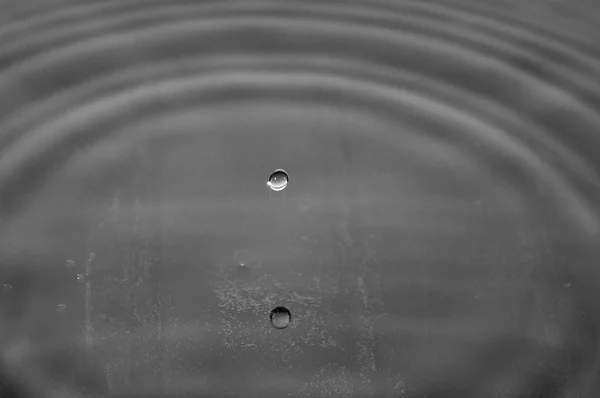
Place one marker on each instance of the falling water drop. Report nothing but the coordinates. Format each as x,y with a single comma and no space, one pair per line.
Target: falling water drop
61,307
80,278
280,317
278,180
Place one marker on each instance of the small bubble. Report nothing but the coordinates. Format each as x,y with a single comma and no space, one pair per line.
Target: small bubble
280,317
61,307
6,288
70,264
278,180
80,278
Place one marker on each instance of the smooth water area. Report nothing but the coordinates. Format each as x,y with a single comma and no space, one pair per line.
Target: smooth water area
438,237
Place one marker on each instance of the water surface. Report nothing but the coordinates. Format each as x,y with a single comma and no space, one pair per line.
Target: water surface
438,236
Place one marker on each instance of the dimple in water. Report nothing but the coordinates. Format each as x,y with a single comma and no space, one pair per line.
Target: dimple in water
61,307
278,180
280,317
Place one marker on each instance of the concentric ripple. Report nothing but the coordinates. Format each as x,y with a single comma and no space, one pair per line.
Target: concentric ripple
450,145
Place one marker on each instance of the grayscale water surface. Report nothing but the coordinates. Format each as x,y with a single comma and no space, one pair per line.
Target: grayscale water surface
439,236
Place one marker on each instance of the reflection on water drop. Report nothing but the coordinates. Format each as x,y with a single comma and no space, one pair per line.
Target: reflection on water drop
280,317
69,264
242,265
278,180
6,288
61,307
80,278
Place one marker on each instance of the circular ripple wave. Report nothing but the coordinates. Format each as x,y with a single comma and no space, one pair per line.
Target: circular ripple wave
507,96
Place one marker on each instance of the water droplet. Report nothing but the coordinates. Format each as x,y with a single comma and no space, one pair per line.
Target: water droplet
242,265
278,180
80,278
280,317
70,264
61,307
567,285
6,288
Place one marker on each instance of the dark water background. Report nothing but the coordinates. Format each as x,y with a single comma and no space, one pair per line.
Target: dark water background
438,237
